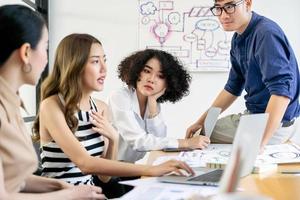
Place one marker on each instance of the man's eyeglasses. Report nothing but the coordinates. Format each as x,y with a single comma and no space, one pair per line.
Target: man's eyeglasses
228,8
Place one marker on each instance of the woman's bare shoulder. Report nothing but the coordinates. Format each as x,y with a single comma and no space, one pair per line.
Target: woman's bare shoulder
49,103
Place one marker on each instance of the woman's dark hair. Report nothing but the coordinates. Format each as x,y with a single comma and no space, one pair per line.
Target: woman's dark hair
18,25
177,78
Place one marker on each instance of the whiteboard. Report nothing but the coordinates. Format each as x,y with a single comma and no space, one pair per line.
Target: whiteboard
186,29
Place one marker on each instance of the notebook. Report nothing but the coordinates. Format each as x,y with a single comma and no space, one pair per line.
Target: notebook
249,133
210,121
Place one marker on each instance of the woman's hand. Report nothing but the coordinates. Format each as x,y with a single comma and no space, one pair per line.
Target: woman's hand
192,130
169,166
86,192
63,184
196,142
152,103
103,126
155,96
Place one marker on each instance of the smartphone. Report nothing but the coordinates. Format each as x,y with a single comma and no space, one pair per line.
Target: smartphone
176,149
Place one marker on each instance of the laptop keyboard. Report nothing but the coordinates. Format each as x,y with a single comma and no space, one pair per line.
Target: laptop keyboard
213,176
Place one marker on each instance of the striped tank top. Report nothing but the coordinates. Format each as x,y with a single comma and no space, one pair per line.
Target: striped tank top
56,164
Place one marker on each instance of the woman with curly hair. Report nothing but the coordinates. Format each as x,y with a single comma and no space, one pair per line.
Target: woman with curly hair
152,77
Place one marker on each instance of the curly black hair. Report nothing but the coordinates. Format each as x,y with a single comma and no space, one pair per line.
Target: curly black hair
177,78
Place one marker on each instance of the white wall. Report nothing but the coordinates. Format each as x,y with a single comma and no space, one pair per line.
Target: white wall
114,22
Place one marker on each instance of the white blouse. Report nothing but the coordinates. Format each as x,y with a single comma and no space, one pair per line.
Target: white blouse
137,134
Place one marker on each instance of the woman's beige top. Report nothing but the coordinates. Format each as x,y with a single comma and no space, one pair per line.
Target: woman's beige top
18,157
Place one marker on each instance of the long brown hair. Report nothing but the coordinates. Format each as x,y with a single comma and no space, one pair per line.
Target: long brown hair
70,58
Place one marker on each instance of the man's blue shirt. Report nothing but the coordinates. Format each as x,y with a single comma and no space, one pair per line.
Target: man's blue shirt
264,64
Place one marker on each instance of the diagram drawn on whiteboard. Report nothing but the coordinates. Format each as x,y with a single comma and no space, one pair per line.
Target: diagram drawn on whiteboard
186,29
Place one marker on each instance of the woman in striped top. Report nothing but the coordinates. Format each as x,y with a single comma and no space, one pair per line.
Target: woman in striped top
56,164
74,149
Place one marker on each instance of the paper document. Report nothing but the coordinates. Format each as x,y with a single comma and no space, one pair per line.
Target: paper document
281,153
200,158
151,189
157,193
220,153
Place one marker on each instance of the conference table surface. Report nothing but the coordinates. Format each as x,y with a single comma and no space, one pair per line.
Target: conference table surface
273,184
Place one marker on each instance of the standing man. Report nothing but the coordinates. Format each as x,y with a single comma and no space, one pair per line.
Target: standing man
264,64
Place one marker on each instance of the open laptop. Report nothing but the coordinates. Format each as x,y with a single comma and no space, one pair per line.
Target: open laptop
248,134
210,121
209,124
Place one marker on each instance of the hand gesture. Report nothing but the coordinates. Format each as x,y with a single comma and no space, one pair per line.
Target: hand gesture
192,129
157,95
86,192
170,166
152,102
103,126
198,142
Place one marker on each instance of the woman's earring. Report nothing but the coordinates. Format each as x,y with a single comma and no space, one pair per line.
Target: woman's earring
27,68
